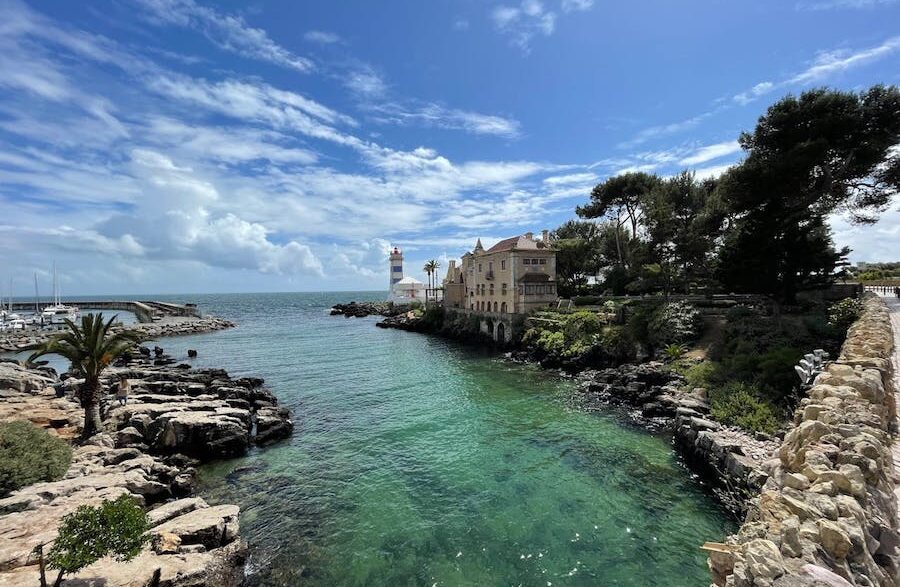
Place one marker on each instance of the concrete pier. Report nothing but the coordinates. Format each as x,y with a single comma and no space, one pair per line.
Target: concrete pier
145,311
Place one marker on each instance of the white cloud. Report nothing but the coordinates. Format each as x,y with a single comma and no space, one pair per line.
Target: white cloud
366,83
753,93
436,115
227,31
711,152
574,5
832,62
559,180
879,242
714,171
322,37
825,65
521,23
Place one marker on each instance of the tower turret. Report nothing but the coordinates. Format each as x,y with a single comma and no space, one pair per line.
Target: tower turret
396,266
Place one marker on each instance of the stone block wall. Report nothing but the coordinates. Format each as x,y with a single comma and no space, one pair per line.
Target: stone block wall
827,515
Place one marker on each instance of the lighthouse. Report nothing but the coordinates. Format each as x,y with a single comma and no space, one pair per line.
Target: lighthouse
396,266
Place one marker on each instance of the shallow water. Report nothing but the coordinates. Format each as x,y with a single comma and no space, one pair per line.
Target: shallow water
416,461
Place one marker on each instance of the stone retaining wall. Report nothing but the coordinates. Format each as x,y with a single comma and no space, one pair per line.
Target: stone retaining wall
827,516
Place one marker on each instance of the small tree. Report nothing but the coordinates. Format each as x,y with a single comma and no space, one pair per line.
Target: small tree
90,348
117,528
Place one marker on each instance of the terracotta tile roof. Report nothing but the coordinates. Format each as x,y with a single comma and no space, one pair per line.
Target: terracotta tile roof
505,244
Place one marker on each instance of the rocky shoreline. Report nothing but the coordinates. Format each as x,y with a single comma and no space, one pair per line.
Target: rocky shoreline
363,309
19,340
176,418
729,459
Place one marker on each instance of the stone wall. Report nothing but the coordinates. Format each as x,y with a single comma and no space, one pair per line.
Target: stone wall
827,515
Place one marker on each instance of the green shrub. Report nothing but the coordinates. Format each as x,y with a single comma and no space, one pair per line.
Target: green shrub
844,313
675,322
738,405
29,454
617,342
117,528
673,352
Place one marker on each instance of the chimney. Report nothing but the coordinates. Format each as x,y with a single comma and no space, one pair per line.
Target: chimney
529,236
545,236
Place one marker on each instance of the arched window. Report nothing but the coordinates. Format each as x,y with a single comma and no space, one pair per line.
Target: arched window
495,306
503,308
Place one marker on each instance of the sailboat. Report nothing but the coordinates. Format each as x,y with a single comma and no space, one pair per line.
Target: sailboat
11,320
58,313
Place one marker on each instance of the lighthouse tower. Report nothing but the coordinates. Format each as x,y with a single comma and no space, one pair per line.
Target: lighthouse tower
396,266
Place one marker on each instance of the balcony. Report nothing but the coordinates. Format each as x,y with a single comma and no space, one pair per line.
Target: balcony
489,275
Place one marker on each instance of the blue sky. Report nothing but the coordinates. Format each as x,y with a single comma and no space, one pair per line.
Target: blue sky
178,146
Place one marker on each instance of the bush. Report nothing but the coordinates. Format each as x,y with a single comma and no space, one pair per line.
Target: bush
674,323
738,405
844,313
29,454
88,534
673,352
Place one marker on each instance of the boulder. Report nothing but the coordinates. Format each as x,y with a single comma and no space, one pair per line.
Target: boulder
210,526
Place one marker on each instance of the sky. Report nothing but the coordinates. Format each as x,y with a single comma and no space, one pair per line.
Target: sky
180,146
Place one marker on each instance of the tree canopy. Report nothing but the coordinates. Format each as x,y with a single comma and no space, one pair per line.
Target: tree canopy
762,227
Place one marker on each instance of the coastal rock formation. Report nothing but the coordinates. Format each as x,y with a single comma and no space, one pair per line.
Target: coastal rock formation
363,309
174,414
205,543
729,458
827,515
28,394
18,340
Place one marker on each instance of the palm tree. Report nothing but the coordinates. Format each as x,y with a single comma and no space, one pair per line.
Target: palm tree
431,268
435,265
90,348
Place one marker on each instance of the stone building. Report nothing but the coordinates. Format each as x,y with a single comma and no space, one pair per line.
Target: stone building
515,276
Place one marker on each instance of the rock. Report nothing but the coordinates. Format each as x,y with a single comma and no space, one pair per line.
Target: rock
790,537
796,481
272,423
173,509
129,436
834,540
763,559
166,543
211,526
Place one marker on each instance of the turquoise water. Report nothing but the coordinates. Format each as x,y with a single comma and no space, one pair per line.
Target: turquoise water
416,461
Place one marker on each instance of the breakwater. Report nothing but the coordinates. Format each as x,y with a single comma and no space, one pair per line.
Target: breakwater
827,515
19,340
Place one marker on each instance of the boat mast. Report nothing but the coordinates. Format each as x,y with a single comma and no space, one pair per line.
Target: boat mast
37,297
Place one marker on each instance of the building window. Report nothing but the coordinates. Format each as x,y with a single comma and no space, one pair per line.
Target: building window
397,269
543,261
503,289
479,267
526,261
472,306
503,308
503,264
490,265
534,261
495,306
492,289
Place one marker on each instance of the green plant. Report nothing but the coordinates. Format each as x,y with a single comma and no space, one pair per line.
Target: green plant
737,404
90,348
844,313
674,351
117,528
29,454
675,322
